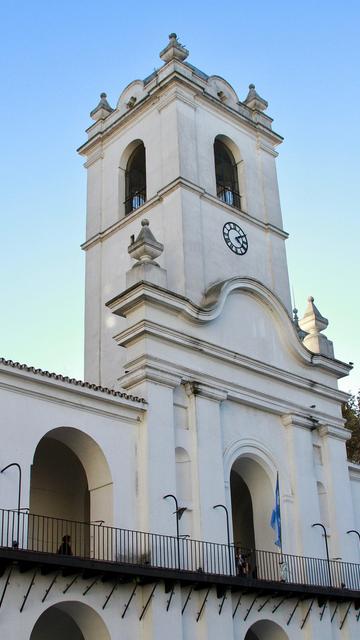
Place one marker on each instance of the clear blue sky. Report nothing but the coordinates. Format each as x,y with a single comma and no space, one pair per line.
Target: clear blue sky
57,57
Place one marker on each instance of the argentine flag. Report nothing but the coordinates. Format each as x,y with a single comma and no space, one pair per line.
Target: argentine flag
275,516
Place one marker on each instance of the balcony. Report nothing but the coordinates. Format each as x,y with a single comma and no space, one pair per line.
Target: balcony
134,201
228,195
53,544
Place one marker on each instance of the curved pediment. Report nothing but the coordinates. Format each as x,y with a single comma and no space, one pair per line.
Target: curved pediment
221,89
265,331
242,316
131,95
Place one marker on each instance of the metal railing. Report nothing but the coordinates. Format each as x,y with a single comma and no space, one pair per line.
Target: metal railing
56,536
228,195
135,200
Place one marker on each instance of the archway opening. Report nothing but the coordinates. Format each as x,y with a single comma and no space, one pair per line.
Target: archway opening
59,486
227,184
70,620
266,630
252,501
135,179
70,488
242,512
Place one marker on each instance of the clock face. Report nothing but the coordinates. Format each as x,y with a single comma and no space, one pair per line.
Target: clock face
235,238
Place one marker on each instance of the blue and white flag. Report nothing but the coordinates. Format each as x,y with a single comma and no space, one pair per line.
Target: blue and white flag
276,516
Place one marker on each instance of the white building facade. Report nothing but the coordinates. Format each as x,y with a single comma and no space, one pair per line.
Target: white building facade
205,393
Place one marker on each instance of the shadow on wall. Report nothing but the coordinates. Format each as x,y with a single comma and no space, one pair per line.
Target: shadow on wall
70,620
266,630
71,480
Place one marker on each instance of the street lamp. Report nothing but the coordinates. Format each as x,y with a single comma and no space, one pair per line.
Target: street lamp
179,511
216,506
16,464
319,524
354,531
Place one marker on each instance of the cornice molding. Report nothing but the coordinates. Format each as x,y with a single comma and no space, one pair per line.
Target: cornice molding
162,194
195,388
17,371
175,94
334,431
145,328
263,146
322,427
83,403
354,471
146,372
212,307
297,420
112,123
237,393
97,155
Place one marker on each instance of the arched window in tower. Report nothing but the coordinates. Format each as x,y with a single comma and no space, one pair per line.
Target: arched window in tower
227,185
135,180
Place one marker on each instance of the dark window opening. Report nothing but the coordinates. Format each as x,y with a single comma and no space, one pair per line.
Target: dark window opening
135,180
227,186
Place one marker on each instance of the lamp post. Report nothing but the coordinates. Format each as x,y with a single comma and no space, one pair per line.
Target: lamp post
16,464
216,506
354,531
319,524
179,513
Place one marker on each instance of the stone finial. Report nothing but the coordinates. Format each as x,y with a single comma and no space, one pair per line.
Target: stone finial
144,249
254,101
299,331
174,50
313,323
102,109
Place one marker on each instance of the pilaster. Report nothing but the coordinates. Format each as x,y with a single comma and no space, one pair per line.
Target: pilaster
301,468
205,419
339,492
156,472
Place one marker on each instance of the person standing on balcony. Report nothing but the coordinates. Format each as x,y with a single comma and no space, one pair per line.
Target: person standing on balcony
65,547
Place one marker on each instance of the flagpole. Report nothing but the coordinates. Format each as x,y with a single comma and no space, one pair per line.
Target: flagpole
277,479
276,515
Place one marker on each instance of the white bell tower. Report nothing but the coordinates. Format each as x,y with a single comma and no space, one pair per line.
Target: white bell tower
182,151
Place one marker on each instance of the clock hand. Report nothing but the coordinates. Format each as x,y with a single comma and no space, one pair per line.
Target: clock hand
238,239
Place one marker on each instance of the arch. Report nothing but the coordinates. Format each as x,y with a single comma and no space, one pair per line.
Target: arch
217,84
133,90
252,501
266,630
252,448
71,620
260,482
133,163
85,488
227,157
323,504
183,474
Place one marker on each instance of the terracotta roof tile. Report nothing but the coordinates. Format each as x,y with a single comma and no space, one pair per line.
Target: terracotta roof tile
73,381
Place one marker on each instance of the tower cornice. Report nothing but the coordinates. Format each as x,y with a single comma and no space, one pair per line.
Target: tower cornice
181,182
103,130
